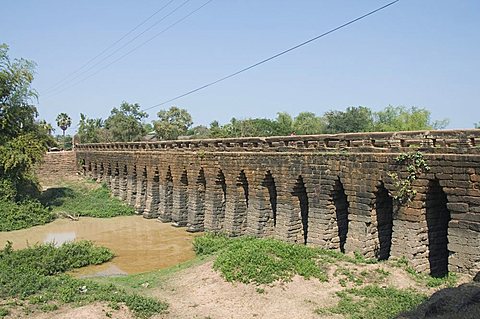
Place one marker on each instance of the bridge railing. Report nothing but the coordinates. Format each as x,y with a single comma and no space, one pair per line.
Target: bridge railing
447,141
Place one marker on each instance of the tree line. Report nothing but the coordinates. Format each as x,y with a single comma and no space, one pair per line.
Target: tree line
127,124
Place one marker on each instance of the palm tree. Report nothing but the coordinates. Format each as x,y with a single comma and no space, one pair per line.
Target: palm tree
63,121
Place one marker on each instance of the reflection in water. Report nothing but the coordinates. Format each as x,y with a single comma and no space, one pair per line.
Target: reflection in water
59,238
139,244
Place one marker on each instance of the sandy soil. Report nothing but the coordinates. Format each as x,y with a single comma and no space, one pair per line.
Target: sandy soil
200,292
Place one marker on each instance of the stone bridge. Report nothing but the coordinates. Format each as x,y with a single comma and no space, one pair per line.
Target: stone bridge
330,191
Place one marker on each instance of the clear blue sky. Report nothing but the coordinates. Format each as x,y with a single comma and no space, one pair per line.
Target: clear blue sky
422,53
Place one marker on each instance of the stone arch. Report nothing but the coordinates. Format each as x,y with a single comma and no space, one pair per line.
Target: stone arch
180,201
384,215
132,186
219,201
116,180
196,220
108,175
84,168
238,206
438,217
141,195
101,172
166,215
123,183
300,191
341,204
269,183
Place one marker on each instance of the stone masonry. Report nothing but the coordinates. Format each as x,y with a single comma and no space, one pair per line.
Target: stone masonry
331,191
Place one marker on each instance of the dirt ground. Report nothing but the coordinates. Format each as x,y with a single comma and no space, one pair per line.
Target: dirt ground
200,292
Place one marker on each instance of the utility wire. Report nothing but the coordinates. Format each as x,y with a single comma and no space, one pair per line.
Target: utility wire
123,46
272,57
109,47
135,48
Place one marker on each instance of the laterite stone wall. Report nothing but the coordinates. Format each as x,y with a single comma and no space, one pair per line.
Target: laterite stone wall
331,191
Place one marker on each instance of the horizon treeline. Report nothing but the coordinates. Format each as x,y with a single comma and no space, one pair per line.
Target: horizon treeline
127,124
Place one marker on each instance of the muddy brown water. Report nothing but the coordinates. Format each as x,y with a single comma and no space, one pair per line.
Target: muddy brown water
139,244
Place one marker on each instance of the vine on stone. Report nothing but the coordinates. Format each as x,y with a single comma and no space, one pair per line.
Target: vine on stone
416,165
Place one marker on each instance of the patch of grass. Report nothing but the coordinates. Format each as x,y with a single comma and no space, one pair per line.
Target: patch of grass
374,302
35,274
4,312
264,261
79,200
450,280
18,215
210,243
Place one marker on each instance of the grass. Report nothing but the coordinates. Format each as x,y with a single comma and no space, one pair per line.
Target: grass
450,280
34,277
84,200
374,302
263,261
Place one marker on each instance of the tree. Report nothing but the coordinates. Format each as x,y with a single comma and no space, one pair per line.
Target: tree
91,130
63,122
306,123
23,142
400,118
353,119
172,123
17,113
126,123
284,123
477,125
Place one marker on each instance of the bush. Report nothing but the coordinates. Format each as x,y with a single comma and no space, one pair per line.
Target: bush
24,214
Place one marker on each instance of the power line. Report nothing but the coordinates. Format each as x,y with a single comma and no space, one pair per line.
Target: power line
272,57
123,46
136,48
110,46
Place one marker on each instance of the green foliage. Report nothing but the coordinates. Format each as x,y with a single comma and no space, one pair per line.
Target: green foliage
172,123
210,243
36,274
82,201
260,261
91,130
477,125
17,113
306,123
23,214
126,123
400,118
353,119
374,302
265,261
448,281
416,165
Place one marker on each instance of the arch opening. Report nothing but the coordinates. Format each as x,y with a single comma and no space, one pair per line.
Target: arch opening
384,211
340,202
438,217
269,183
300,192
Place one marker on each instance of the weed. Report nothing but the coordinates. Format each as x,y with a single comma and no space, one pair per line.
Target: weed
260,290
374,302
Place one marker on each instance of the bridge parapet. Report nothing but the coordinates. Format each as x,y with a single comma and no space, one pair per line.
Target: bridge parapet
444,141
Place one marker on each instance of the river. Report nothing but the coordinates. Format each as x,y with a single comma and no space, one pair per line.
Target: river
139,244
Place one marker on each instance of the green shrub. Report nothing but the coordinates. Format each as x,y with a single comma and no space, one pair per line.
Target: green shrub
24,214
